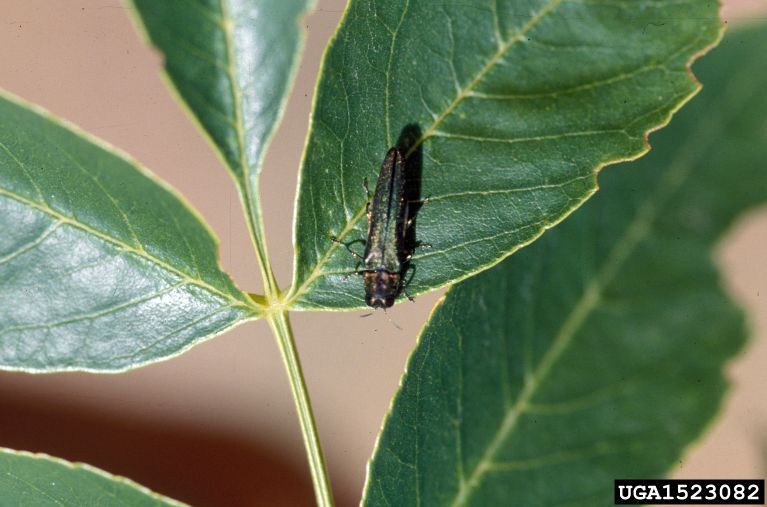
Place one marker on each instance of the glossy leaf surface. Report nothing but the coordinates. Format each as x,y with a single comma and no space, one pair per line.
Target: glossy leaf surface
232,62
507,110
102,267
39,480
596,353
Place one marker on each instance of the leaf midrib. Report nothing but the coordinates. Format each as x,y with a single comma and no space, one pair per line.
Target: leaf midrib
466,90
637,231
462,94
127,248
248,183
227,27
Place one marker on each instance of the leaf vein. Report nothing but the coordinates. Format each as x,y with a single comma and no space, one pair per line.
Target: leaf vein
32,244
548,137
93,315
126,247
387,105
489,65
316,271
638,229
175,331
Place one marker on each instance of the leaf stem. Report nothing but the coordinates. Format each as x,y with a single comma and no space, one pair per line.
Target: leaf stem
277,317
280,325
252,203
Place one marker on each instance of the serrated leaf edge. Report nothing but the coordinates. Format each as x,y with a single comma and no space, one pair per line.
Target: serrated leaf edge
293,300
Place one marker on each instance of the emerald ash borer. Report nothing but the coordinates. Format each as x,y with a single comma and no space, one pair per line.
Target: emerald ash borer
385,254
391,230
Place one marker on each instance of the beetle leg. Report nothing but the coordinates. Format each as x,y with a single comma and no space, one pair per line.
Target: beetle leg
346,245
349,275
405,283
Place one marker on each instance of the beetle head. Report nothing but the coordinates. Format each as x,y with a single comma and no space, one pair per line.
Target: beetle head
381,288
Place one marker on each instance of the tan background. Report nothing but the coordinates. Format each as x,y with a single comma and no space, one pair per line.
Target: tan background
216,426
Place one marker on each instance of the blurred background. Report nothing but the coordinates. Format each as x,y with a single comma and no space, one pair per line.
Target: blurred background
217,426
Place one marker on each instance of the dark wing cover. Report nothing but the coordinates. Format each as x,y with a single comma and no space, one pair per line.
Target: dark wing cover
386,216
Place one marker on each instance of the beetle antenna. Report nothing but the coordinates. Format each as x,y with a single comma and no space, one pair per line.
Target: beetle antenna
390,320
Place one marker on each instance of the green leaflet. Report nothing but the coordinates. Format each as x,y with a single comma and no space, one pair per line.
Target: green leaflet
102,267
515,106
39,480
232,62
597,352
